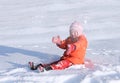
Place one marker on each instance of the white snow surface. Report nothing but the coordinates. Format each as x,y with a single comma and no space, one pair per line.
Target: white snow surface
26,29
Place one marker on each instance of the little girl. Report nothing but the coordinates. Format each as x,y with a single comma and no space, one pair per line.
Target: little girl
75,48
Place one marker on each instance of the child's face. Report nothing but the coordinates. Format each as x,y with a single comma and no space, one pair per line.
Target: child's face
74,34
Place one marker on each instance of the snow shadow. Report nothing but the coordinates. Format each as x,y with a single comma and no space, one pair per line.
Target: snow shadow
5,50
13,57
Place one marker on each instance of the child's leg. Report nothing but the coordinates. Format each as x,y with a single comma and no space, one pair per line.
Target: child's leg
57,65
42,67
61,64
45,66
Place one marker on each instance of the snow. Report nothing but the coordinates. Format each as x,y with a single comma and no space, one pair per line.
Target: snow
26,29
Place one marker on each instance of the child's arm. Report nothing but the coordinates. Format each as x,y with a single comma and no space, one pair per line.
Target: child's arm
60,43
70,48
81,44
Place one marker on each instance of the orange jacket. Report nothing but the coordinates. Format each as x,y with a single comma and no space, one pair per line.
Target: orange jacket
77,56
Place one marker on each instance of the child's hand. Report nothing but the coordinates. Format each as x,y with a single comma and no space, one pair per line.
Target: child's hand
70,48
56,40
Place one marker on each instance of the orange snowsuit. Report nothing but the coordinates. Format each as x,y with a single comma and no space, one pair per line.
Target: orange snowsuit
77,56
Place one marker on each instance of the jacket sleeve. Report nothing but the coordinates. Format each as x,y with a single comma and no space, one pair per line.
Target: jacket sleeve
63,44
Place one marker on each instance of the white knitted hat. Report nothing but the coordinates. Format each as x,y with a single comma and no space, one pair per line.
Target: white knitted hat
76,26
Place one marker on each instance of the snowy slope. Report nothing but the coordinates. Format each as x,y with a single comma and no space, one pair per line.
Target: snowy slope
26,29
